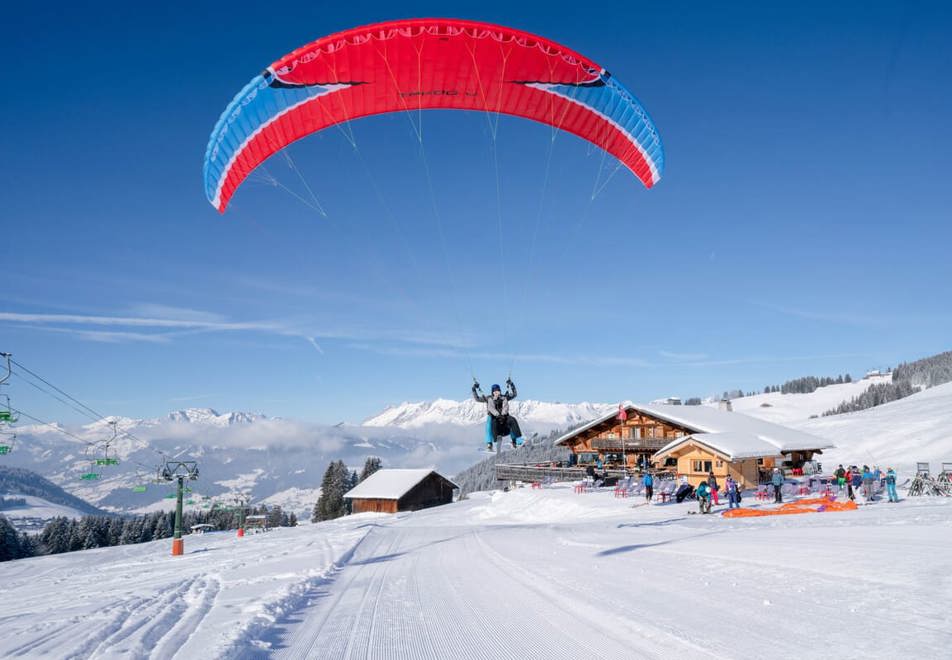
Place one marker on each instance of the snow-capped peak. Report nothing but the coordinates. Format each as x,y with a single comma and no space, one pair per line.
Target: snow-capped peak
212,417
464,413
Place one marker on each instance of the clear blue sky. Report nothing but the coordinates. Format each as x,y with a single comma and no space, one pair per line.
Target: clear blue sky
802,225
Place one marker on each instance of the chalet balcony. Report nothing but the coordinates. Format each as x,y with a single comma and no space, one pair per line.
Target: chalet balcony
633,444
545,472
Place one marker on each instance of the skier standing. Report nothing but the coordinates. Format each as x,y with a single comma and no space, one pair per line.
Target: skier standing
648,482
777,481
867,483
840,477
891,485
733,490
498,420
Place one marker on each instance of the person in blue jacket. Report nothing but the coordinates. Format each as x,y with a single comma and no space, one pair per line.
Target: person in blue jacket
777,480
891,485
648,482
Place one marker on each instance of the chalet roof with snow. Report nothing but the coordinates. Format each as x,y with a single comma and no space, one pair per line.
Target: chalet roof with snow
733,446
390,484
732,433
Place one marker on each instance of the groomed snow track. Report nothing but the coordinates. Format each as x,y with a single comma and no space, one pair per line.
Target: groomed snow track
525,574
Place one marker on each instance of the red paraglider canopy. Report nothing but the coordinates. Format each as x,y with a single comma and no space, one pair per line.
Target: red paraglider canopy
422,64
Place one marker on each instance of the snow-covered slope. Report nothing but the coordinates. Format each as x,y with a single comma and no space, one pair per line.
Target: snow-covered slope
36,512
901,433
788,408
524,574
540,415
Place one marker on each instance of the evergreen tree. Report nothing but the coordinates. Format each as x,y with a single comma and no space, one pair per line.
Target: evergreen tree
331,504
28,545
9,540
76,539
114,530
371,465
130,531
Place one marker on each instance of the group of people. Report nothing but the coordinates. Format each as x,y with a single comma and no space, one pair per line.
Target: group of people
866,480
708,493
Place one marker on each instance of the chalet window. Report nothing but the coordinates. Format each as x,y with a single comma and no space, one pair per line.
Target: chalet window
701,466
720,464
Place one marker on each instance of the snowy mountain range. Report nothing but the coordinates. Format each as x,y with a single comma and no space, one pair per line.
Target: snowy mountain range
539,415
277,460
282,461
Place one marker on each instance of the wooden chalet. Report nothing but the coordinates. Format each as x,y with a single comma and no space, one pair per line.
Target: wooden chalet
689,441
390,491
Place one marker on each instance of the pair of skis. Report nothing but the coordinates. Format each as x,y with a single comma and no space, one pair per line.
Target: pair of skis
489,449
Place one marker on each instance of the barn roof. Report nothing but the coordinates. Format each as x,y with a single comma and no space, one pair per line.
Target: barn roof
739,429
390,484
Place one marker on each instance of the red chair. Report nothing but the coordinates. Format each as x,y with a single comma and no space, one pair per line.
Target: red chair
762,493
803,490
537,484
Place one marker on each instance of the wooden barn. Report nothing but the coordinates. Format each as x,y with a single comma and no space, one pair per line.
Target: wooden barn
390,491
691,441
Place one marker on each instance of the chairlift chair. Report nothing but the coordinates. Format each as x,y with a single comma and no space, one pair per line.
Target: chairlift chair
8,441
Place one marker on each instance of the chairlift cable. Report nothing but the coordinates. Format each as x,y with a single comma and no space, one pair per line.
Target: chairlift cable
88,411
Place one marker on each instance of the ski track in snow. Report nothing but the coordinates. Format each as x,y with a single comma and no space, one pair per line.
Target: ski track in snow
526,574
139,602
687,586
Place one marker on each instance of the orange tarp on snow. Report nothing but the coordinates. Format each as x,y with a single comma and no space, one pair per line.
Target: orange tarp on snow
813,505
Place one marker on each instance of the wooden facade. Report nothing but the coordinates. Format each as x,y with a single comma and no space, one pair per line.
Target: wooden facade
635,443
625,444
374,505
696,461
433,490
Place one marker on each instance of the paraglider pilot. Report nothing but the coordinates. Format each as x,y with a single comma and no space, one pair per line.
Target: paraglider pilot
498,420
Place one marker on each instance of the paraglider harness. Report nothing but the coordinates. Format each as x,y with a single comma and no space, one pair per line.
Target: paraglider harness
498,421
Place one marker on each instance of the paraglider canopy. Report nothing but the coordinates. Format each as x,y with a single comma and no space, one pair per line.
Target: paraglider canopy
411,65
